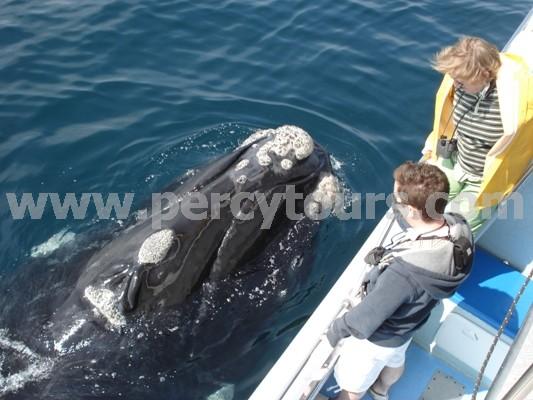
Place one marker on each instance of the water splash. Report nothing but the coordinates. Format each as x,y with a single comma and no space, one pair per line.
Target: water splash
226,392
59,345
55,242
34,367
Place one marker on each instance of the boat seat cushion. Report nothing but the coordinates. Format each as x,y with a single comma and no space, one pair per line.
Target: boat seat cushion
490,289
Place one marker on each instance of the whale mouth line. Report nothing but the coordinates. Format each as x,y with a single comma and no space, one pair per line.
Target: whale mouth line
27,367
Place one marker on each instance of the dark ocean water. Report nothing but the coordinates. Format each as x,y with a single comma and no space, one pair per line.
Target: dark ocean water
123,96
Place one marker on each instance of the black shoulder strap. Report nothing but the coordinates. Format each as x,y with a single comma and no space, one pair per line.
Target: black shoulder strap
463,251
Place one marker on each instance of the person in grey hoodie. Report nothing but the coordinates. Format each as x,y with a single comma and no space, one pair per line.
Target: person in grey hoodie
412,272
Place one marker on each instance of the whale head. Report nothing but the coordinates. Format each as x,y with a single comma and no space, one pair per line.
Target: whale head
244,196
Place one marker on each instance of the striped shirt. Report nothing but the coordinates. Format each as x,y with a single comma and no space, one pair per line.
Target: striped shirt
479,126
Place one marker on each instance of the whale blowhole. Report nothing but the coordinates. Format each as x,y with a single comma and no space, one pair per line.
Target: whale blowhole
286,164
241,179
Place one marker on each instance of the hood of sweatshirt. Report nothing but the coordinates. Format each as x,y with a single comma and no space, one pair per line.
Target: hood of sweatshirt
430,263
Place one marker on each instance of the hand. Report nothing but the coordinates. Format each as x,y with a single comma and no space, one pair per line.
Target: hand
333,338
426,155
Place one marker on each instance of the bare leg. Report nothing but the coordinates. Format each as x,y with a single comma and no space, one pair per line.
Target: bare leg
387,378
344,395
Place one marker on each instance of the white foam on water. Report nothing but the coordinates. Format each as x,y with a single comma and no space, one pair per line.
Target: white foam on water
37,368
81,345
335,164
226,392
296,262
59,345
55,242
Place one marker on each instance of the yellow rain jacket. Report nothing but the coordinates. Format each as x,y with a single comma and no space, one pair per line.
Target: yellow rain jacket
511,155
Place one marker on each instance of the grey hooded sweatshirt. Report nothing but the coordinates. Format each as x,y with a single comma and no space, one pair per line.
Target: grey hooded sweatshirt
411,279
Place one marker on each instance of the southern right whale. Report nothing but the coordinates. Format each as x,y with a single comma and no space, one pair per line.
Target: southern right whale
163,286
146,267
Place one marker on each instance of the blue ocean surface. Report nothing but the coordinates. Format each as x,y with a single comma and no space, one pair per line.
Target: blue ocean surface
125,96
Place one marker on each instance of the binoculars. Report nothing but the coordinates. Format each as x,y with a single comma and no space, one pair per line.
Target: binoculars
446,147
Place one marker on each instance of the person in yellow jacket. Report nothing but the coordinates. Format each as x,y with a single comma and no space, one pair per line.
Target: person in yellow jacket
482,136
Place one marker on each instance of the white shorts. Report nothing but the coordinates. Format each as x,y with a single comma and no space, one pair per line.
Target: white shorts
361,362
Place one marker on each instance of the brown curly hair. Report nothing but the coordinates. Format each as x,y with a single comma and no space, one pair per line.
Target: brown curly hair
424,187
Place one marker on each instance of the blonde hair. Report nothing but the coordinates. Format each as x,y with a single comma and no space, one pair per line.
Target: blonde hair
468,59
